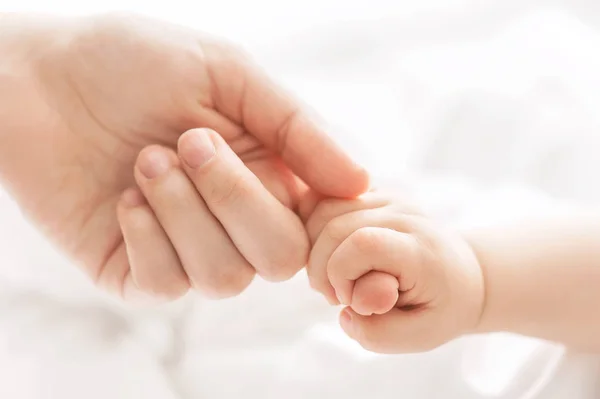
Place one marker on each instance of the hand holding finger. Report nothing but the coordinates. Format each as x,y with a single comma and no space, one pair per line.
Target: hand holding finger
211,261
269,235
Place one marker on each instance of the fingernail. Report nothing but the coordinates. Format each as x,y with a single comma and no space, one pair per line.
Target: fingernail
132,197
346,320
196,148
154,163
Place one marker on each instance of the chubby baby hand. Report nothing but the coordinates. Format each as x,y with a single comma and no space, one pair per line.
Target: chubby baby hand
409,284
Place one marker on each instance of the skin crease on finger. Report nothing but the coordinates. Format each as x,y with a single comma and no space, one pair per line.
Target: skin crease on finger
210,259
99,89
268,234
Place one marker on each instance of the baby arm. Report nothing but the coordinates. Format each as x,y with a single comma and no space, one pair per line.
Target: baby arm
410,284
543,279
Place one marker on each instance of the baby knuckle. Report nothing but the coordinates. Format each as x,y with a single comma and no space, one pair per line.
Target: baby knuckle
326,209
314,228
335,230
365,240
319,218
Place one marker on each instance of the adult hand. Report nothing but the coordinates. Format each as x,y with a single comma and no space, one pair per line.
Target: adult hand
94,106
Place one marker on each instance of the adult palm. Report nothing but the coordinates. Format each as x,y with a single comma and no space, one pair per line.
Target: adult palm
88,94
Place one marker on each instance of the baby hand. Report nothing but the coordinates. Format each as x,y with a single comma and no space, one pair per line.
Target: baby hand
409,284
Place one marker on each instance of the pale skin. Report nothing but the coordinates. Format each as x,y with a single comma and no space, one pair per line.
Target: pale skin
160,160
98,146
410,284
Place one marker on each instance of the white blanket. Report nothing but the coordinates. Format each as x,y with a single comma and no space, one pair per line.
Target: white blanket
500,95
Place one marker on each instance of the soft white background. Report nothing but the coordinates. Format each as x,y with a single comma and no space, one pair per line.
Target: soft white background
487,109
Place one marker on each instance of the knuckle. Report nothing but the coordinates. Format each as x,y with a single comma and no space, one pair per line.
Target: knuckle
231,191
321,215
283,266
279,274
290,258
169,290
326,208
220,285
365,240
408,208
282,259
335,230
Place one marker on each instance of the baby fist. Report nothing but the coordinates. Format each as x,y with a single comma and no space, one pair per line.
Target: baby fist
410,284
